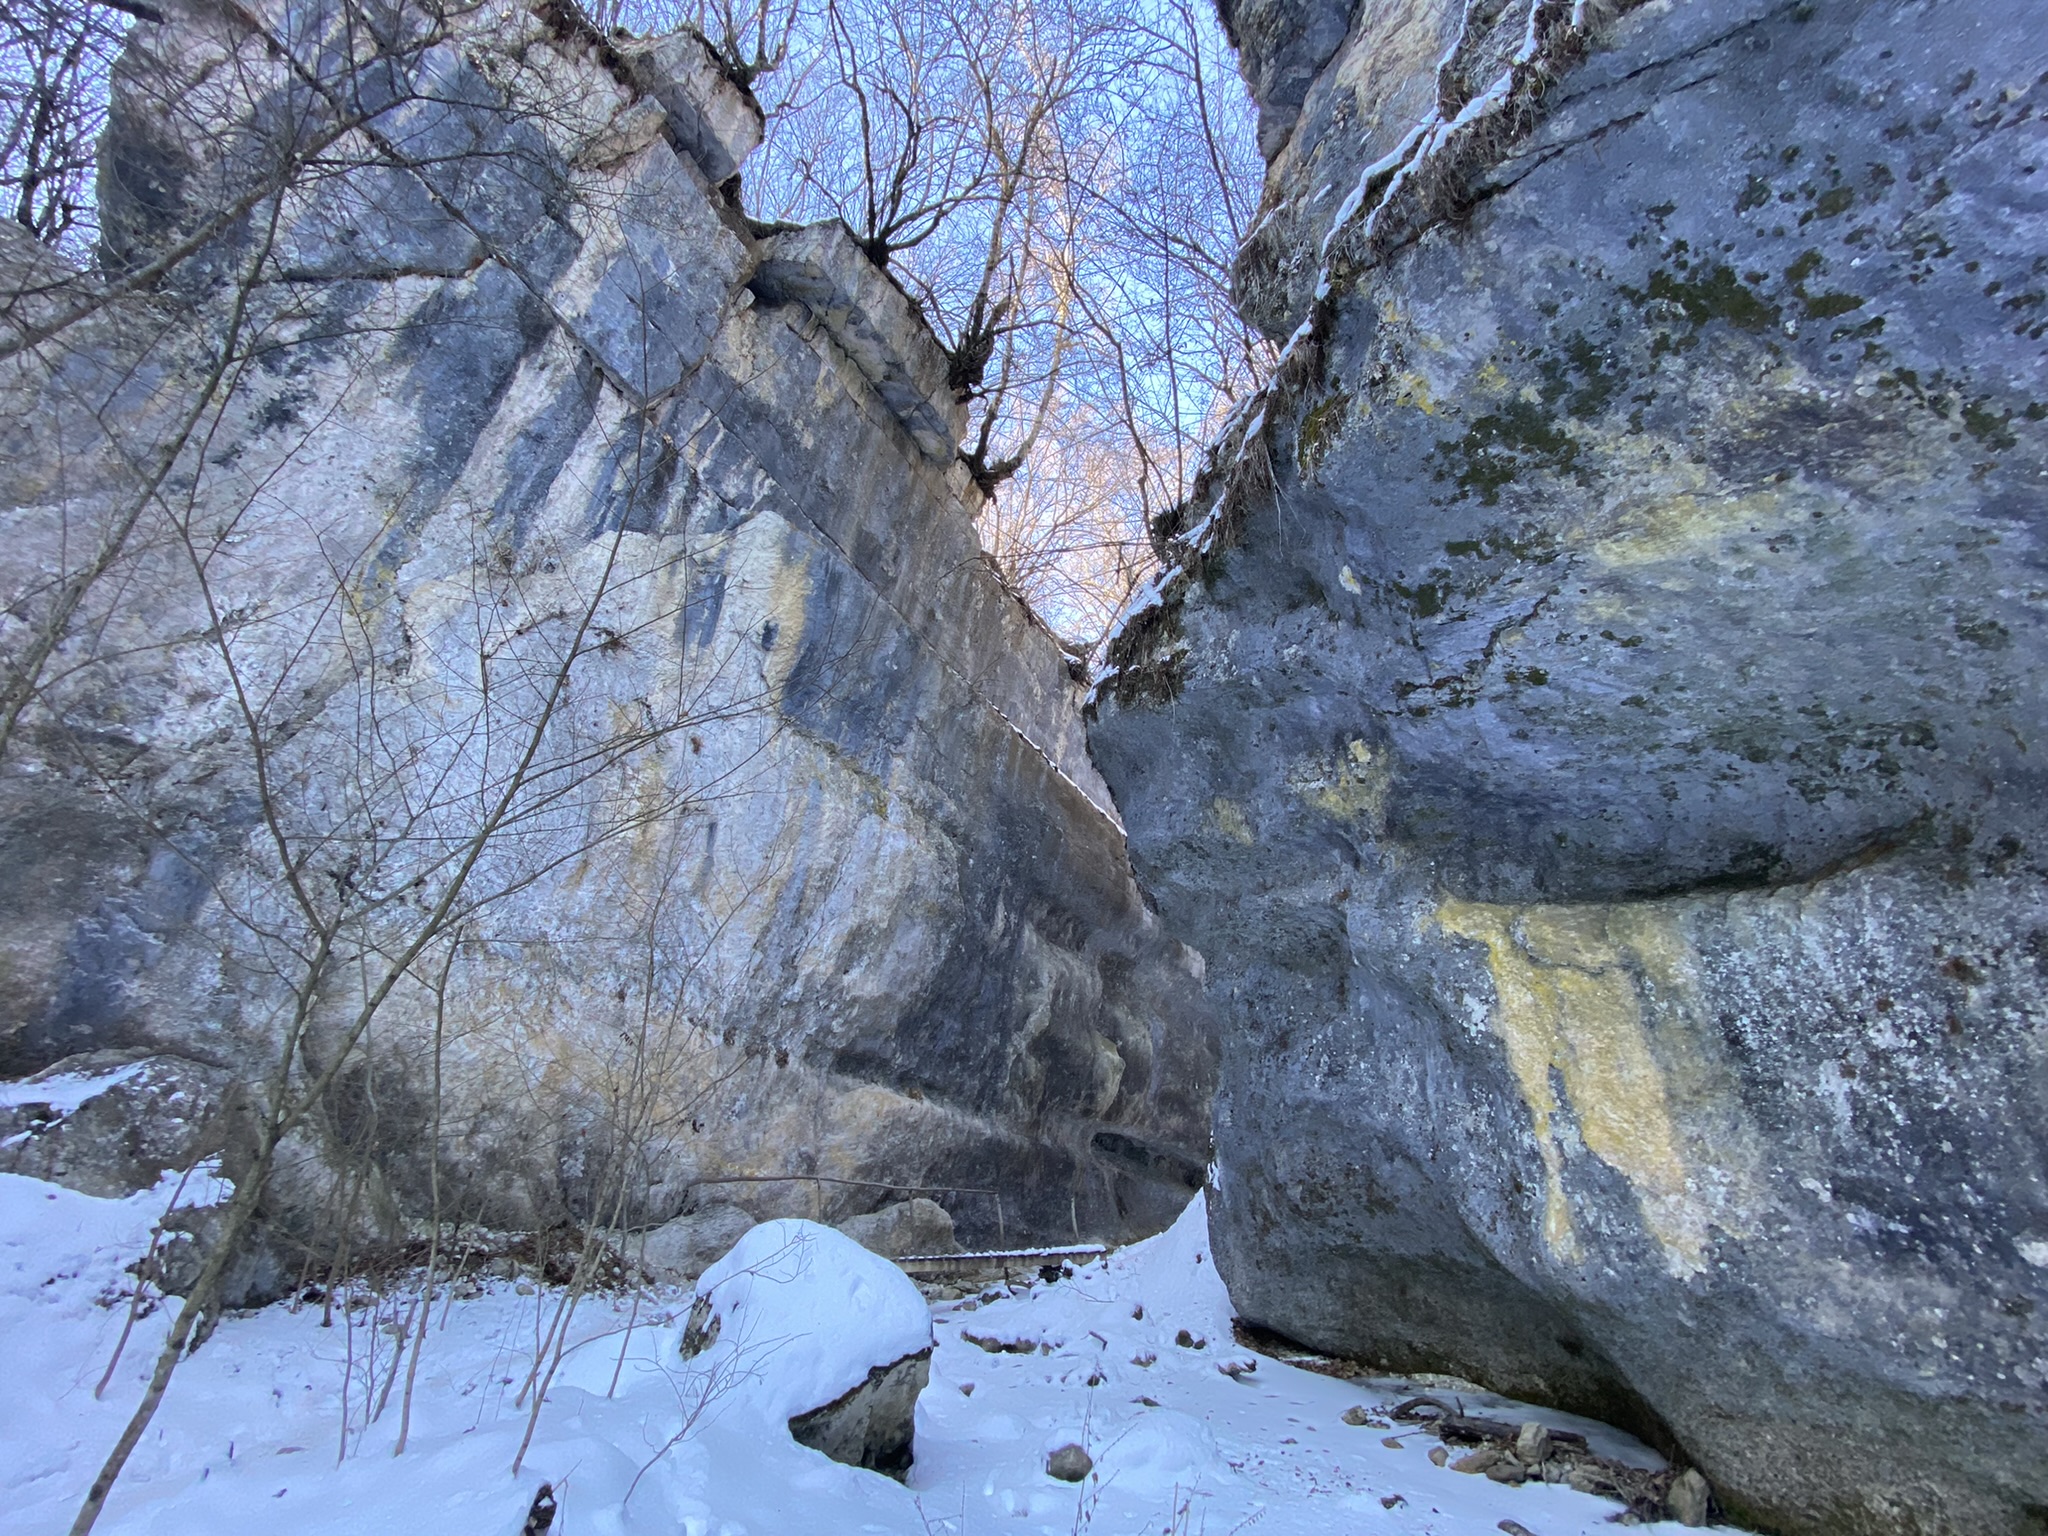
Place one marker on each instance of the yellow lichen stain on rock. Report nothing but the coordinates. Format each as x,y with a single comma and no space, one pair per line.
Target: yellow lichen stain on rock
768,584
1676,527
1569,1008
1348,580
1490,379
1353,788
1407,41
1230,821
1412,388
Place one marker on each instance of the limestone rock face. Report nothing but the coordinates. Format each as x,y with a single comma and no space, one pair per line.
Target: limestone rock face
1591,729
850,899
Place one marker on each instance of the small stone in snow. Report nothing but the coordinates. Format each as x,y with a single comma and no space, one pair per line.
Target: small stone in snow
1391,1442
1393,1501
1187,1340
1532,1445
1069,1464
1438,1455
1356,1414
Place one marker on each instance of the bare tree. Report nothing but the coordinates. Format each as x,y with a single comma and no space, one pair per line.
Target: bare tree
55,57
1062,185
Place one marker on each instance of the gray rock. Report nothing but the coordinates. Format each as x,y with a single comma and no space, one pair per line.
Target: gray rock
874,321
1481,1461
1687,1501
909,1226
155,1113
263,1267
872,1426
1322,127
1532,1445
899,884
701,1328
648,305
1070,1464
1284,45
710,119
679,1251
1594,749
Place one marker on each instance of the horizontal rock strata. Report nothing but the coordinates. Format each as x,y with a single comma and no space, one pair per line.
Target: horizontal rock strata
824,859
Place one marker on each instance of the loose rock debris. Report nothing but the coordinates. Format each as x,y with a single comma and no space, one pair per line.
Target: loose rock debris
1008,1346
1530,1452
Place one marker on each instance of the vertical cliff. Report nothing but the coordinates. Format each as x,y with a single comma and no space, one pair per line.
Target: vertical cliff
1591,726
524,440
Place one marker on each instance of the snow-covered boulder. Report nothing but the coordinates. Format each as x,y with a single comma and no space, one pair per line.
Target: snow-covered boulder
109,1123
801,1325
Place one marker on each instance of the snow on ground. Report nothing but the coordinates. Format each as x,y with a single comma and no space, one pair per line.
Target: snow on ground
248,1439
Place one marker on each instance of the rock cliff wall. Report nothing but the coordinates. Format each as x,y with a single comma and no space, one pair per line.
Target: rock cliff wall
1591,724
515,389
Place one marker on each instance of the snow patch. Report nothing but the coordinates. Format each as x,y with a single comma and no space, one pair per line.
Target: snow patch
66,1092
